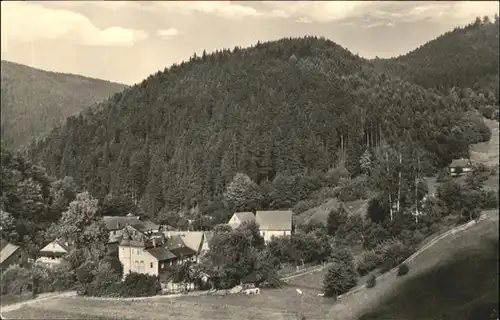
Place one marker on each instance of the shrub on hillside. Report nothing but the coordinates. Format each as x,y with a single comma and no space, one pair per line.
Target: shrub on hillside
372,281
57,278
393,253
140,285
368,261
489,199
340,278
351,232
334,176
403,269
15,280
342,254
305,205
106,282
353,189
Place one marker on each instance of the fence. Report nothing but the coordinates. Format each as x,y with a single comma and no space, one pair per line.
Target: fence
290,270
417,253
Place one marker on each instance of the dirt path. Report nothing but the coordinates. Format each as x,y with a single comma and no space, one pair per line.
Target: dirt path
38,299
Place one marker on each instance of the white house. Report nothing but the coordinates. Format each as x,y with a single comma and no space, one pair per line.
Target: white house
274,223
271,223
53,252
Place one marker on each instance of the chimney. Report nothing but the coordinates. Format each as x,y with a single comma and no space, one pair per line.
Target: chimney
154,242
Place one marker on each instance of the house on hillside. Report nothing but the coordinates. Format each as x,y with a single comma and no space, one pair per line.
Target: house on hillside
52,253
11,254
239,217
151,253
460,167
139,254
274,223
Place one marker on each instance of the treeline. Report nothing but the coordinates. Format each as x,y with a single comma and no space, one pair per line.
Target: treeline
177,139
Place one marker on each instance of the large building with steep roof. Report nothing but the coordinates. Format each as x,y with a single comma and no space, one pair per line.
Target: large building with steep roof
271,223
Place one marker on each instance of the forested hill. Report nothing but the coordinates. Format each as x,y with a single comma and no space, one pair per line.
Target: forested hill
33,101
274,111
465,57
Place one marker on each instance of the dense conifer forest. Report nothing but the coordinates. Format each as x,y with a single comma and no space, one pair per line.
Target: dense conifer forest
284,113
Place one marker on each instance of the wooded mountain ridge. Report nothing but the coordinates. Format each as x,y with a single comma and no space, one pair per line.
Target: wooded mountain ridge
33,101
277,111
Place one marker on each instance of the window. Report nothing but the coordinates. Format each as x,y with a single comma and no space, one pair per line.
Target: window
284,232
263,233
151,265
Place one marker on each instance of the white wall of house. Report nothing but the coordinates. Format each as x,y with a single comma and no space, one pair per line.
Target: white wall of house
268,234
234,220
135,259
49,261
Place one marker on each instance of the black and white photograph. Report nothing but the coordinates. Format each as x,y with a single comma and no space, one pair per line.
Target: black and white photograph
249,160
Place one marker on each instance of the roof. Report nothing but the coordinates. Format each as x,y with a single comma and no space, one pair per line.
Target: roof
274,220
460,163
118,222
7,250
60,242
161,253
243,217
178,247
193,240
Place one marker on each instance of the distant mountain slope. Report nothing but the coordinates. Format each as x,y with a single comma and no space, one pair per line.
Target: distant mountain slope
33,101
464,57
273,111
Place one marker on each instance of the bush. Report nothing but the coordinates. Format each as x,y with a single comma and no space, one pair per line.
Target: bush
106,282
305,205
340,278
351,190
489,199
343,255
368,261
372,281
403,269
393,253
15,280
140,285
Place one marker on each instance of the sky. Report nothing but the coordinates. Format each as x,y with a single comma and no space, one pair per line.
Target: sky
127,41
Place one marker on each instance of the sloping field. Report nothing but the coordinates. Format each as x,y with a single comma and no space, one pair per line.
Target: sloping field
487,152
320,213
449,264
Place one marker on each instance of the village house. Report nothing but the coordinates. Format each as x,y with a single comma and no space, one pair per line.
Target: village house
460,167
271,223
53,252
150,252
116,224
274,223
11,254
